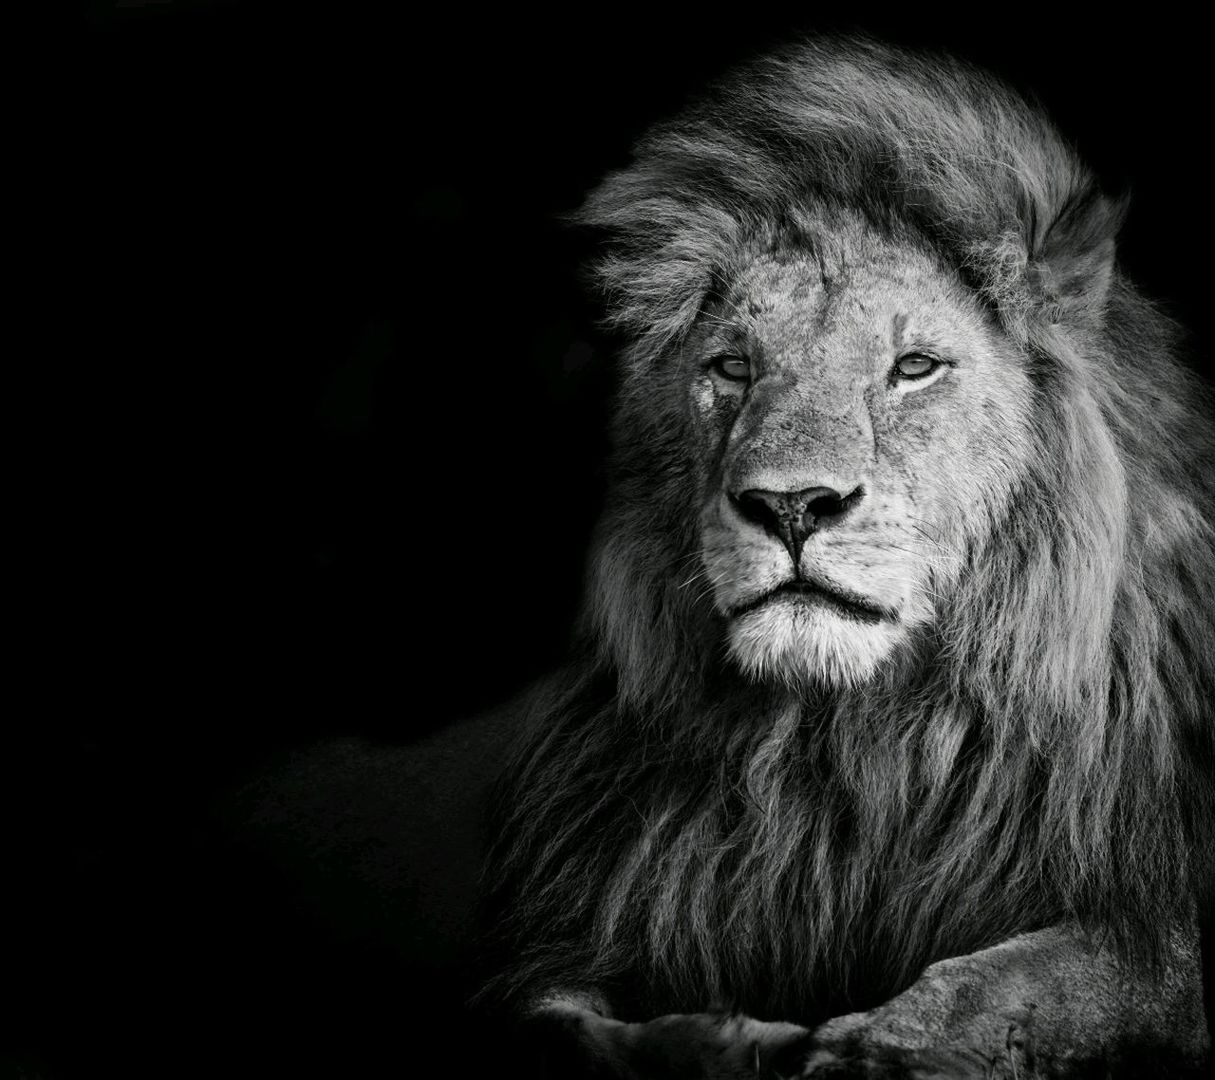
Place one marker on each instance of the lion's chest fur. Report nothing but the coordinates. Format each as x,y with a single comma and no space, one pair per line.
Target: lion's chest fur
749,867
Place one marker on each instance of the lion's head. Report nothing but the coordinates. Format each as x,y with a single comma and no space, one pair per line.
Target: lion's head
867,300
901,617
858,419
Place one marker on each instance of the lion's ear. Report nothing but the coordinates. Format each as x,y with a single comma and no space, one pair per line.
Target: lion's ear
1073,264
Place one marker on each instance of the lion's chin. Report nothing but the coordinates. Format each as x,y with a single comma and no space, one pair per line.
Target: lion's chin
809,644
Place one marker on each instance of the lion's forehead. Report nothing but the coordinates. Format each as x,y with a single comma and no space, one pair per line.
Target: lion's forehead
852,304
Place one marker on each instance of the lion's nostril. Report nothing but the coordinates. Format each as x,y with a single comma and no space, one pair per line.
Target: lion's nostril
825,505
764,508
829,503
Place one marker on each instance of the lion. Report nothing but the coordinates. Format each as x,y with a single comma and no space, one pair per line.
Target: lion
886,747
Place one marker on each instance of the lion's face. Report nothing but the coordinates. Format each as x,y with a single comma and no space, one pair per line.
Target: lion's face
860,419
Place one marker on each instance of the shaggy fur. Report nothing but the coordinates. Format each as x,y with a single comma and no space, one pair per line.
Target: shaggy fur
680,835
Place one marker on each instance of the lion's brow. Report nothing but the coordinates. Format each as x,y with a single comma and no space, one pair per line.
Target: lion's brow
899,327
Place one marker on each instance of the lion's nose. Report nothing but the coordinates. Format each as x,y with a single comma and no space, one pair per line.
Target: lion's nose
791,516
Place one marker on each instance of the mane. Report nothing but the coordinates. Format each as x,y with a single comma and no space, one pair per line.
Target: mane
1044,752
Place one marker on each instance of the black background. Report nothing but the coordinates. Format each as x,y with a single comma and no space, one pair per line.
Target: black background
328,434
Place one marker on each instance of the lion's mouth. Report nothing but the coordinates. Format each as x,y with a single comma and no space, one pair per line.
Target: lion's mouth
841,601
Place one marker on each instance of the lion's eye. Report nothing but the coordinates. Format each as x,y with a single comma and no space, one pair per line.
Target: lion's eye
733,367
914,366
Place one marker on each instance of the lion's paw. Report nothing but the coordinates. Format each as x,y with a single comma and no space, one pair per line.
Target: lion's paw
710,1046
696,1046
909,1065
859,1054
